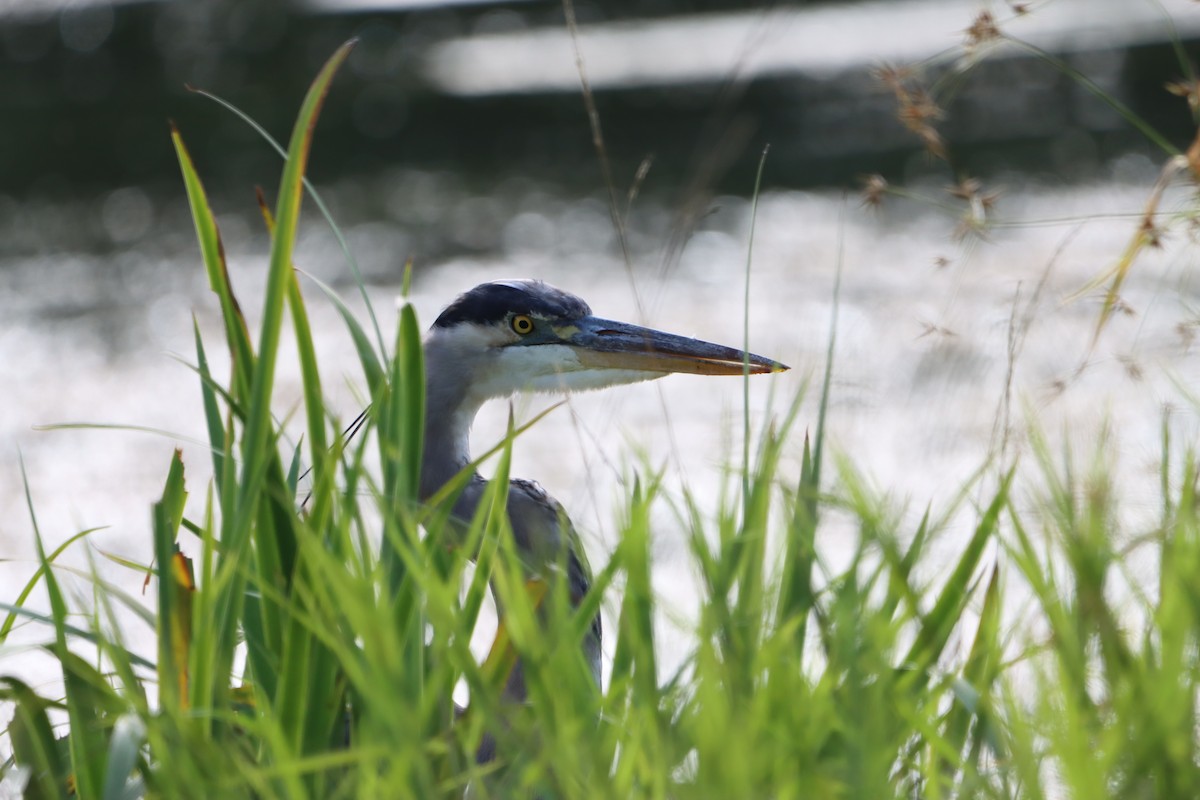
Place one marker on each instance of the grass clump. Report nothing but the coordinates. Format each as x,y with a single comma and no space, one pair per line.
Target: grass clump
804,679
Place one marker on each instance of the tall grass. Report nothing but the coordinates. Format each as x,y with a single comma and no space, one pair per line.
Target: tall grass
803,679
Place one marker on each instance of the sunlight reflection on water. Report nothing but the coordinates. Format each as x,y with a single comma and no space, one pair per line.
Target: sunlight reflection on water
919,379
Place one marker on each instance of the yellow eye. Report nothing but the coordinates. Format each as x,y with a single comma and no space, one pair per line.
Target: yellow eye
522,324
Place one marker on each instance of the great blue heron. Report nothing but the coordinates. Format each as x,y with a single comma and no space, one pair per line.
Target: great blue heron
513,336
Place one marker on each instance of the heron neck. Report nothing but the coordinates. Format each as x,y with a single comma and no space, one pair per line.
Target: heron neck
449,413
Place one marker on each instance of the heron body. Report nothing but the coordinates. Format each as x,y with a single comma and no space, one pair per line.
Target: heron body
516,336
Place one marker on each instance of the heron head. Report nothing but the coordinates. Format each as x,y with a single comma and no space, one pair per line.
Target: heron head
523,335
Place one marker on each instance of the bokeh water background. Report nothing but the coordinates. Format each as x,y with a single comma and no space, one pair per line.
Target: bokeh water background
950,348
922,395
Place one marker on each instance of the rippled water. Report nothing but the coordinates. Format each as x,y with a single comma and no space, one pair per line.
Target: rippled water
90,333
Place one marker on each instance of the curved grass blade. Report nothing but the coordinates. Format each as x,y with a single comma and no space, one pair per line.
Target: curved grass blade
320,203
287,214
1126,113
310,374
264,505
401,435
33,742
76,632
218,436
32,583
937,625
101,426
213,253
174,601
129,733
980,674
86,742
372,367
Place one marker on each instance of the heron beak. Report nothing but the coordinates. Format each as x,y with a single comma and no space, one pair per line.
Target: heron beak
605,344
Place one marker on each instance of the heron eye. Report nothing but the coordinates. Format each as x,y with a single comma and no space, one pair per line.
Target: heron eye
522,324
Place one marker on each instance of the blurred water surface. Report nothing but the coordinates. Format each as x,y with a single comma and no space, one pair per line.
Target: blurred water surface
948,347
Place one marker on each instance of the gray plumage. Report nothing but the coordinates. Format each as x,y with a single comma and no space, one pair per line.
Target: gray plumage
511,336
455,364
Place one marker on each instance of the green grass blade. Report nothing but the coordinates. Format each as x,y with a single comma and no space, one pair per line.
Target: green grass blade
86,742
33,742
174,614
1125,112
213,253
72,630
401,434
411,357
310,375
372,367
938,624
320,203
32,583
279,276
218,437
762,163
129,734
264,506
979,674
